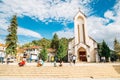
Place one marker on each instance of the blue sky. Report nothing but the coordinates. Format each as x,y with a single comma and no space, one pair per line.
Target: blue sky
42,18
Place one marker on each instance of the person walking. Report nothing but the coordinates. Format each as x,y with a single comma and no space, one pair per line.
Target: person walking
61,63
55,60
74,59
71,59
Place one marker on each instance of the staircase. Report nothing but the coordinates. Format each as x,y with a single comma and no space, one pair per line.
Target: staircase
83,71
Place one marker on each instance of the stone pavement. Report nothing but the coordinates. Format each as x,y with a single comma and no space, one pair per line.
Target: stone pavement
58,79
67,64
79,71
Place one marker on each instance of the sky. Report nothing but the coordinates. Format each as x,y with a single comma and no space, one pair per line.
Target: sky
39,19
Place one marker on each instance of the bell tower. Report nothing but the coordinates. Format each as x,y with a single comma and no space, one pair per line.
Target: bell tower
80,28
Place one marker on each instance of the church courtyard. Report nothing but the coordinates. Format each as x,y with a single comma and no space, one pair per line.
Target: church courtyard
49,72
60,40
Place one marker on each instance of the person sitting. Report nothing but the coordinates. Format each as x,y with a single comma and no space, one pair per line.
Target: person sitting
61,63
40,63
22,63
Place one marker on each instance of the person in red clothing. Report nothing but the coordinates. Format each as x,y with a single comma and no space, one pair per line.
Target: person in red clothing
22,63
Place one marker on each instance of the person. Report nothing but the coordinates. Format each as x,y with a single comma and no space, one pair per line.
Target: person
71,60
52,59
74,59
55,64
2,58
61,63
55,60
8,60
40,63
22,63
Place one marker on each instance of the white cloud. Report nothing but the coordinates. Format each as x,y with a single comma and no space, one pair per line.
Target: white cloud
98,28
42,9
101,28
21,8
39,10
67,10
66,33
109,14
21,31
29,33
117,6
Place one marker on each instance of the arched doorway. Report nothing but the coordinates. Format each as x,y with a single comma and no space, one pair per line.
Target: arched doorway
82,54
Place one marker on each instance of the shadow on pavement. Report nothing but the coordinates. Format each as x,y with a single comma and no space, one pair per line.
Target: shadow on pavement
117,68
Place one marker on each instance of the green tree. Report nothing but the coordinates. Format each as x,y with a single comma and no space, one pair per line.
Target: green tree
11,38
117,48
44,42
113,56
62,49
43,54
55,42
105,51
26,45
35,42
99,46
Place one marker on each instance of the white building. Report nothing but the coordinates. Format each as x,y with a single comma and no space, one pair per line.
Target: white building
51,54
2,50
83,46
33,52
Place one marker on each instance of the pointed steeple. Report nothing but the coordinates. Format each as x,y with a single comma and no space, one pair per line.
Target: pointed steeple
79,13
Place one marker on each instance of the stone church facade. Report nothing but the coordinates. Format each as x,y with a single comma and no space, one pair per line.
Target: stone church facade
82,46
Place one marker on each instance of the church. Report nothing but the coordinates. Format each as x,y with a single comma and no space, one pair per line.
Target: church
82,45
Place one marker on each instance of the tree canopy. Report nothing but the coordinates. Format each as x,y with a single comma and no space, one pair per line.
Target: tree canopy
105,52
43,54
62,48
42,42
55,42
117,48
11,38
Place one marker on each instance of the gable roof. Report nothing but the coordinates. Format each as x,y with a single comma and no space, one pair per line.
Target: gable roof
92,39
81,13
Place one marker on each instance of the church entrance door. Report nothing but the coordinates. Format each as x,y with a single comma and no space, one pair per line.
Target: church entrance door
82,54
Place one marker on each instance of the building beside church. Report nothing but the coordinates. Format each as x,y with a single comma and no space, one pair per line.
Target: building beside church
2,52
82,46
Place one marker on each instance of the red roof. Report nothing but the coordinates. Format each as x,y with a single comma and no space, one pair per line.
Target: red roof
51,50
33,47
2,45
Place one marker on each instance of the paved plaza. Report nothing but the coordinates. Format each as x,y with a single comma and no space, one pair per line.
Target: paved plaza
79,71
58,79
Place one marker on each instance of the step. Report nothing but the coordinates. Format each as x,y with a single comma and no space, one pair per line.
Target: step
65,71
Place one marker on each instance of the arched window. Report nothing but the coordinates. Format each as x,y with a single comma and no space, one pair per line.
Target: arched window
83,27
78,34
80,19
